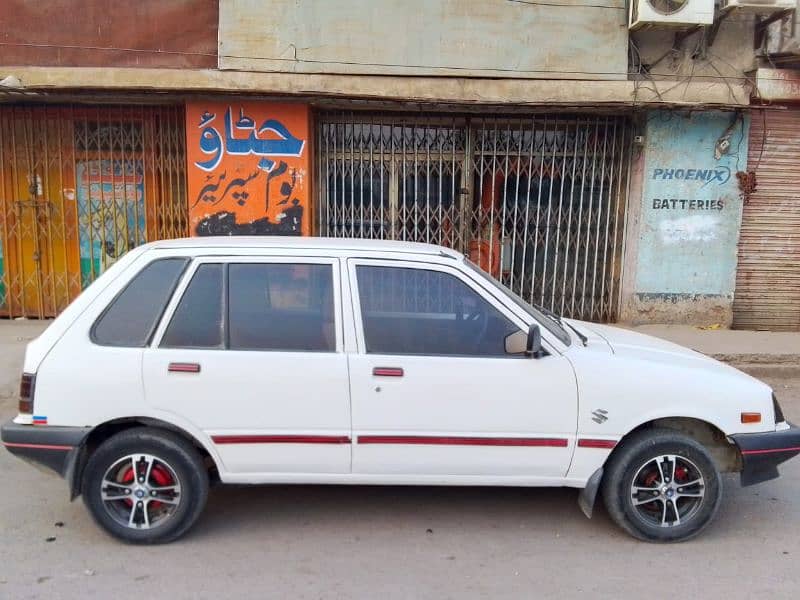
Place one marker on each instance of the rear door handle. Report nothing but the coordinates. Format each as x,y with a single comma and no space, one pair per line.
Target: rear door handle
181,367
387,372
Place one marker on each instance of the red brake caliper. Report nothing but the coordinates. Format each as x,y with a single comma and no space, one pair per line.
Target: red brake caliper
161,477
681,473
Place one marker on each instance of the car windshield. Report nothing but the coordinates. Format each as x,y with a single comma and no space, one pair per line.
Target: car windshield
548,319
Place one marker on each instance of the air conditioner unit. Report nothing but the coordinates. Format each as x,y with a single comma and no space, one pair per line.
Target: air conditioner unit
757,7
670,13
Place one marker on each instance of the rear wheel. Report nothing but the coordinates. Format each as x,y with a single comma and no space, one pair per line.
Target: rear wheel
662,486
145,486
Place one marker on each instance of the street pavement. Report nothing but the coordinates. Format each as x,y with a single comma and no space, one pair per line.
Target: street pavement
390,542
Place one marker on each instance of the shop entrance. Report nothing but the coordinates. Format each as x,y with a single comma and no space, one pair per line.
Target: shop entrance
79,187
537,201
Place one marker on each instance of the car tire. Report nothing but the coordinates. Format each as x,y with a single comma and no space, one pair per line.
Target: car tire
662,486
145,485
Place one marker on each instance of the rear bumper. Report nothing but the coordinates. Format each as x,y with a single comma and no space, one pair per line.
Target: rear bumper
763,452
56,448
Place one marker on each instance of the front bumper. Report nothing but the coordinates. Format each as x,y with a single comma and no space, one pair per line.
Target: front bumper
56,448
763,452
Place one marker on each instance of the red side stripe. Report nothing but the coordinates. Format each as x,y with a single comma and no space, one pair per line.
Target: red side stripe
595,443
280,439
37,446
772,450
461,441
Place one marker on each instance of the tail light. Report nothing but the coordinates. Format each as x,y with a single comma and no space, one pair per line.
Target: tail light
26,388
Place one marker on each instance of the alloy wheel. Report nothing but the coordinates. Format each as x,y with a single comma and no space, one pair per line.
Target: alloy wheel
140,491
667,490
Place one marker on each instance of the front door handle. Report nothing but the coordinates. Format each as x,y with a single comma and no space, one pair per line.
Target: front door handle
387,372
181,367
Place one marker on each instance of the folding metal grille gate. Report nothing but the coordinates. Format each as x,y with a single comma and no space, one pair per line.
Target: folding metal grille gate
79,186
539,201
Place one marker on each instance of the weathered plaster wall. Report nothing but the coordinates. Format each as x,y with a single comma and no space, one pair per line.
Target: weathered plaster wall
731,54
684,228
444,90
573,39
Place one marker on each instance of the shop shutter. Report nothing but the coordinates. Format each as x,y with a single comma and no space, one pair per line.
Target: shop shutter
768,276
537,201
80,185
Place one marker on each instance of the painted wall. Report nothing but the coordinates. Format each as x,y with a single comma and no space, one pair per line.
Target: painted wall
574,39
175,34
687,226
248,165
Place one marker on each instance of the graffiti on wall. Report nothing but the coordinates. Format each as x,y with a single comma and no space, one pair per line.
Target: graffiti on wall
247,169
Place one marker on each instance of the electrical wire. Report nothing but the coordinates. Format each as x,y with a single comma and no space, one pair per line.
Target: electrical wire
763,139
108,49
367,64
730,89
567,5
741,139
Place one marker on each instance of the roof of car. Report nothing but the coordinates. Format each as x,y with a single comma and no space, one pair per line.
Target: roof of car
309,243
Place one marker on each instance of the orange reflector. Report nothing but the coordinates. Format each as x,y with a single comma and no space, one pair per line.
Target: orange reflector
751,417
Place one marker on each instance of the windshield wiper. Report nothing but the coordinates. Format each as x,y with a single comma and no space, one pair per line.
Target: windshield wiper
549,313
584,340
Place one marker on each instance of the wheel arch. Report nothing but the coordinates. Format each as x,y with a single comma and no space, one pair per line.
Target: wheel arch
725,454
107,429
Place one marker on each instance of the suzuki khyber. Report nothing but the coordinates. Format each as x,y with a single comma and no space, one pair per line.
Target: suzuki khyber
300,360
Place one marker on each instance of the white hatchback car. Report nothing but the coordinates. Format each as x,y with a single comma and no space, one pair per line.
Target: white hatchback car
302,360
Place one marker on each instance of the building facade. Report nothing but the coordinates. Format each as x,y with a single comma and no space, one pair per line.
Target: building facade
604,173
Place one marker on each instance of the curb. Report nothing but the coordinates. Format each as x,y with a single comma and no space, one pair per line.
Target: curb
763,365
756,359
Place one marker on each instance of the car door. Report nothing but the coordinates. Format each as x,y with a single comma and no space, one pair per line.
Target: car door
250,352
434,392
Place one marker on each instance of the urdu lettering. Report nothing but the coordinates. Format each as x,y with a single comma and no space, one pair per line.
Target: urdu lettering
243,138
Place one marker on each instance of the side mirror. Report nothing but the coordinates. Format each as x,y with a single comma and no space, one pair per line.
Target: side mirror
528,343
516,343
533,347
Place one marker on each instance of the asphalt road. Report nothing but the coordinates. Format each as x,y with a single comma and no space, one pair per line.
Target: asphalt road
391,542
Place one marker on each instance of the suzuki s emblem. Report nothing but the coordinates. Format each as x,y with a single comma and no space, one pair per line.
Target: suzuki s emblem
600,416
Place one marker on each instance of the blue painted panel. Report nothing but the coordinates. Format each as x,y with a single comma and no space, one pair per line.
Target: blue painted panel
691,207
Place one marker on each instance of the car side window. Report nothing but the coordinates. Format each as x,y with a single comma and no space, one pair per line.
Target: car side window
130,319
281,306
197,320
419,311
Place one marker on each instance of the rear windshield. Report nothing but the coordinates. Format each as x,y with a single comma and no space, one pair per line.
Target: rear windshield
131,318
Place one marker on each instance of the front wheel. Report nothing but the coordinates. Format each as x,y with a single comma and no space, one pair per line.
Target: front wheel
145,486
662,486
